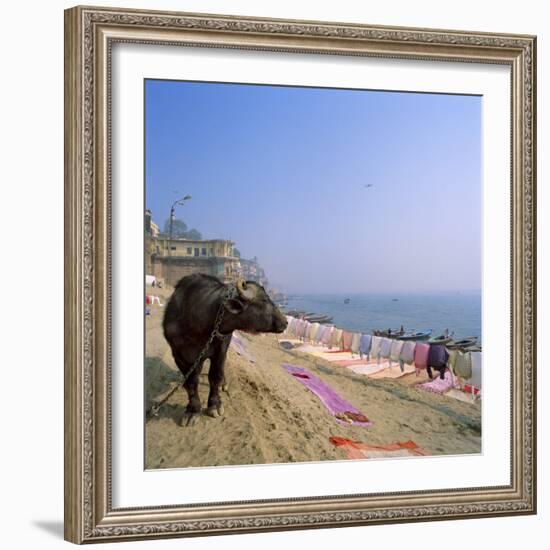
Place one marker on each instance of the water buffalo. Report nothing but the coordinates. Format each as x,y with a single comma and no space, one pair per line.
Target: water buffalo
189,320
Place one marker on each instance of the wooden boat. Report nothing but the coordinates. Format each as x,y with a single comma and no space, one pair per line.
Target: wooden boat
463,343
347,301
441,339
390,333
416,335
319,318
296,313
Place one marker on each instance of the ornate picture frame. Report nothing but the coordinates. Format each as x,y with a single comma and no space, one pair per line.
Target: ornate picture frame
90,34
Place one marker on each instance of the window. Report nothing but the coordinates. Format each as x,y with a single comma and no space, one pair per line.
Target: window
172,248
203,251
189,250
196,251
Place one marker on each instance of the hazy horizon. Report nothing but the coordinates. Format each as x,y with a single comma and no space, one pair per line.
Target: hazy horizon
335,191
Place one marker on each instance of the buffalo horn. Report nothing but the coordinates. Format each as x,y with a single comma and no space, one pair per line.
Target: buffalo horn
244,292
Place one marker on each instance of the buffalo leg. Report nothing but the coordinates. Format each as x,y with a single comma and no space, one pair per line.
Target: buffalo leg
216,380
225,385
191,386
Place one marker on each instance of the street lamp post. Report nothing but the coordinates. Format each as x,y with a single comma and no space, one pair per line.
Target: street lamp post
179,202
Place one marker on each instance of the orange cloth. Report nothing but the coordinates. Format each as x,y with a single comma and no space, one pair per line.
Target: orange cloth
356,449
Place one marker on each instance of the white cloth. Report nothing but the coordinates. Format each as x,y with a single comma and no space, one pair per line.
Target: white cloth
375,348
395,350
475,380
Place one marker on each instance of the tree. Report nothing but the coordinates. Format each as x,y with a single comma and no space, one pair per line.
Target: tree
179,228
193,234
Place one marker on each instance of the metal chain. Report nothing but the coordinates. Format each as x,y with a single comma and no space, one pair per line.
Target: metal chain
154,410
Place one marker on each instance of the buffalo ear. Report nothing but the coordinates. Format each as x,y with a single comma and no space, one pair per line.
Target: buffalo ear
234,306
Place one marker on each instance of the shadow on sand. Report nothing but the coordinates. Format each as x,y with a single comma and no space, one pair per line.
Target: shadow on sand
159,379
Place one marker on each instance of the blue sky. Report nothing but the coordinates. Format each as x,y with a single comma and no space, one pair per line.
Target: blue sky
283,171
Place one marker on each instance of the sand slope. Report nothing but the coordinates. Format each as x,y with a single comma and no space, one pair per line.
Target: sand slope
271,418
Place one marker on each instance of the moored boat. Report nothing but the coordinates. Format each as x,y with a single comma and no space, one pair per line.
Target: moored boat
416,335
441,339
463,343
319,318
390,333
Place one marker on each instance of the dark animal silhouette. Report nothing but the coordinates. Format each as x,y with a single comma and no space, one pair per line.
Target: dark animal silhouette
189,320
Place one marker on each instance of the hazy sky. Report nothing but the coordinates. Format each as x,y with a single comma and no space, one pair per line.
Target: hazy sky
283,171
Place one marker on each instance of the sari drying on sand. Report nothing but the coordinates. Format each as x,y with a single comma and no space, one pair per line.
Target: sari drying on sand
343,412
438,385
358,450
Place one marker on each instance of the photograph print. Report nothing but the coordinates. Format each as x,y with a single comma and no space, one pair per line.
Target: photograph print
312,274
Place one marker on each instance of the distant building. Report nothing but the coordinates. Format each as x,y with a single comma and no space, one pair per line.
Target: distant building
171,259
194,248
251,271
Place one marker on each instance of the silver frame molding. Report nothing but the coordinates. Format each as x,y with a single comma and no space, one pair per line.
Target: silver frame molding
89,35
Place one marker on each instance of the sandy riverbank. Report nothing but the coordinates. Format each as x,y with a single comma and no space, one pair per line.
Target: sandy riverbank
271,418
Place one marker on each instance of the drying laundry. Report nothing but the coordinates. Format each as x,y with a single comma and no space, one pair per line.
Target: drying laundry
462,364
240,347
319,334
313,331
327,335
395,350
421,352
394,371
369,369
463,395
346,340
349,362
475,379
438,385
358,450
300,375
355,342
407,353
375,348
471,389
336,339
365,345
385,348
437,356
310,348
344,412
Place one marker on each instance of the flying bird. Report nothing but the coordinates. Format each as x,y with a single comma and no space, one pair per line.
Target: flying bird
369,185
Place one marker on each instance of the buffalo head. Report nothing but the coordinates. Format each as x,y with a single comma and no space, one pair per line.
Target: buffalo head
252,310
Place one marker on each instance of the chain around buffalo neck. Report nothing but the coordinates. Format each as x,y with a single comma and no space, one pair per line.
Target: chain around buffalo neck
229,293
